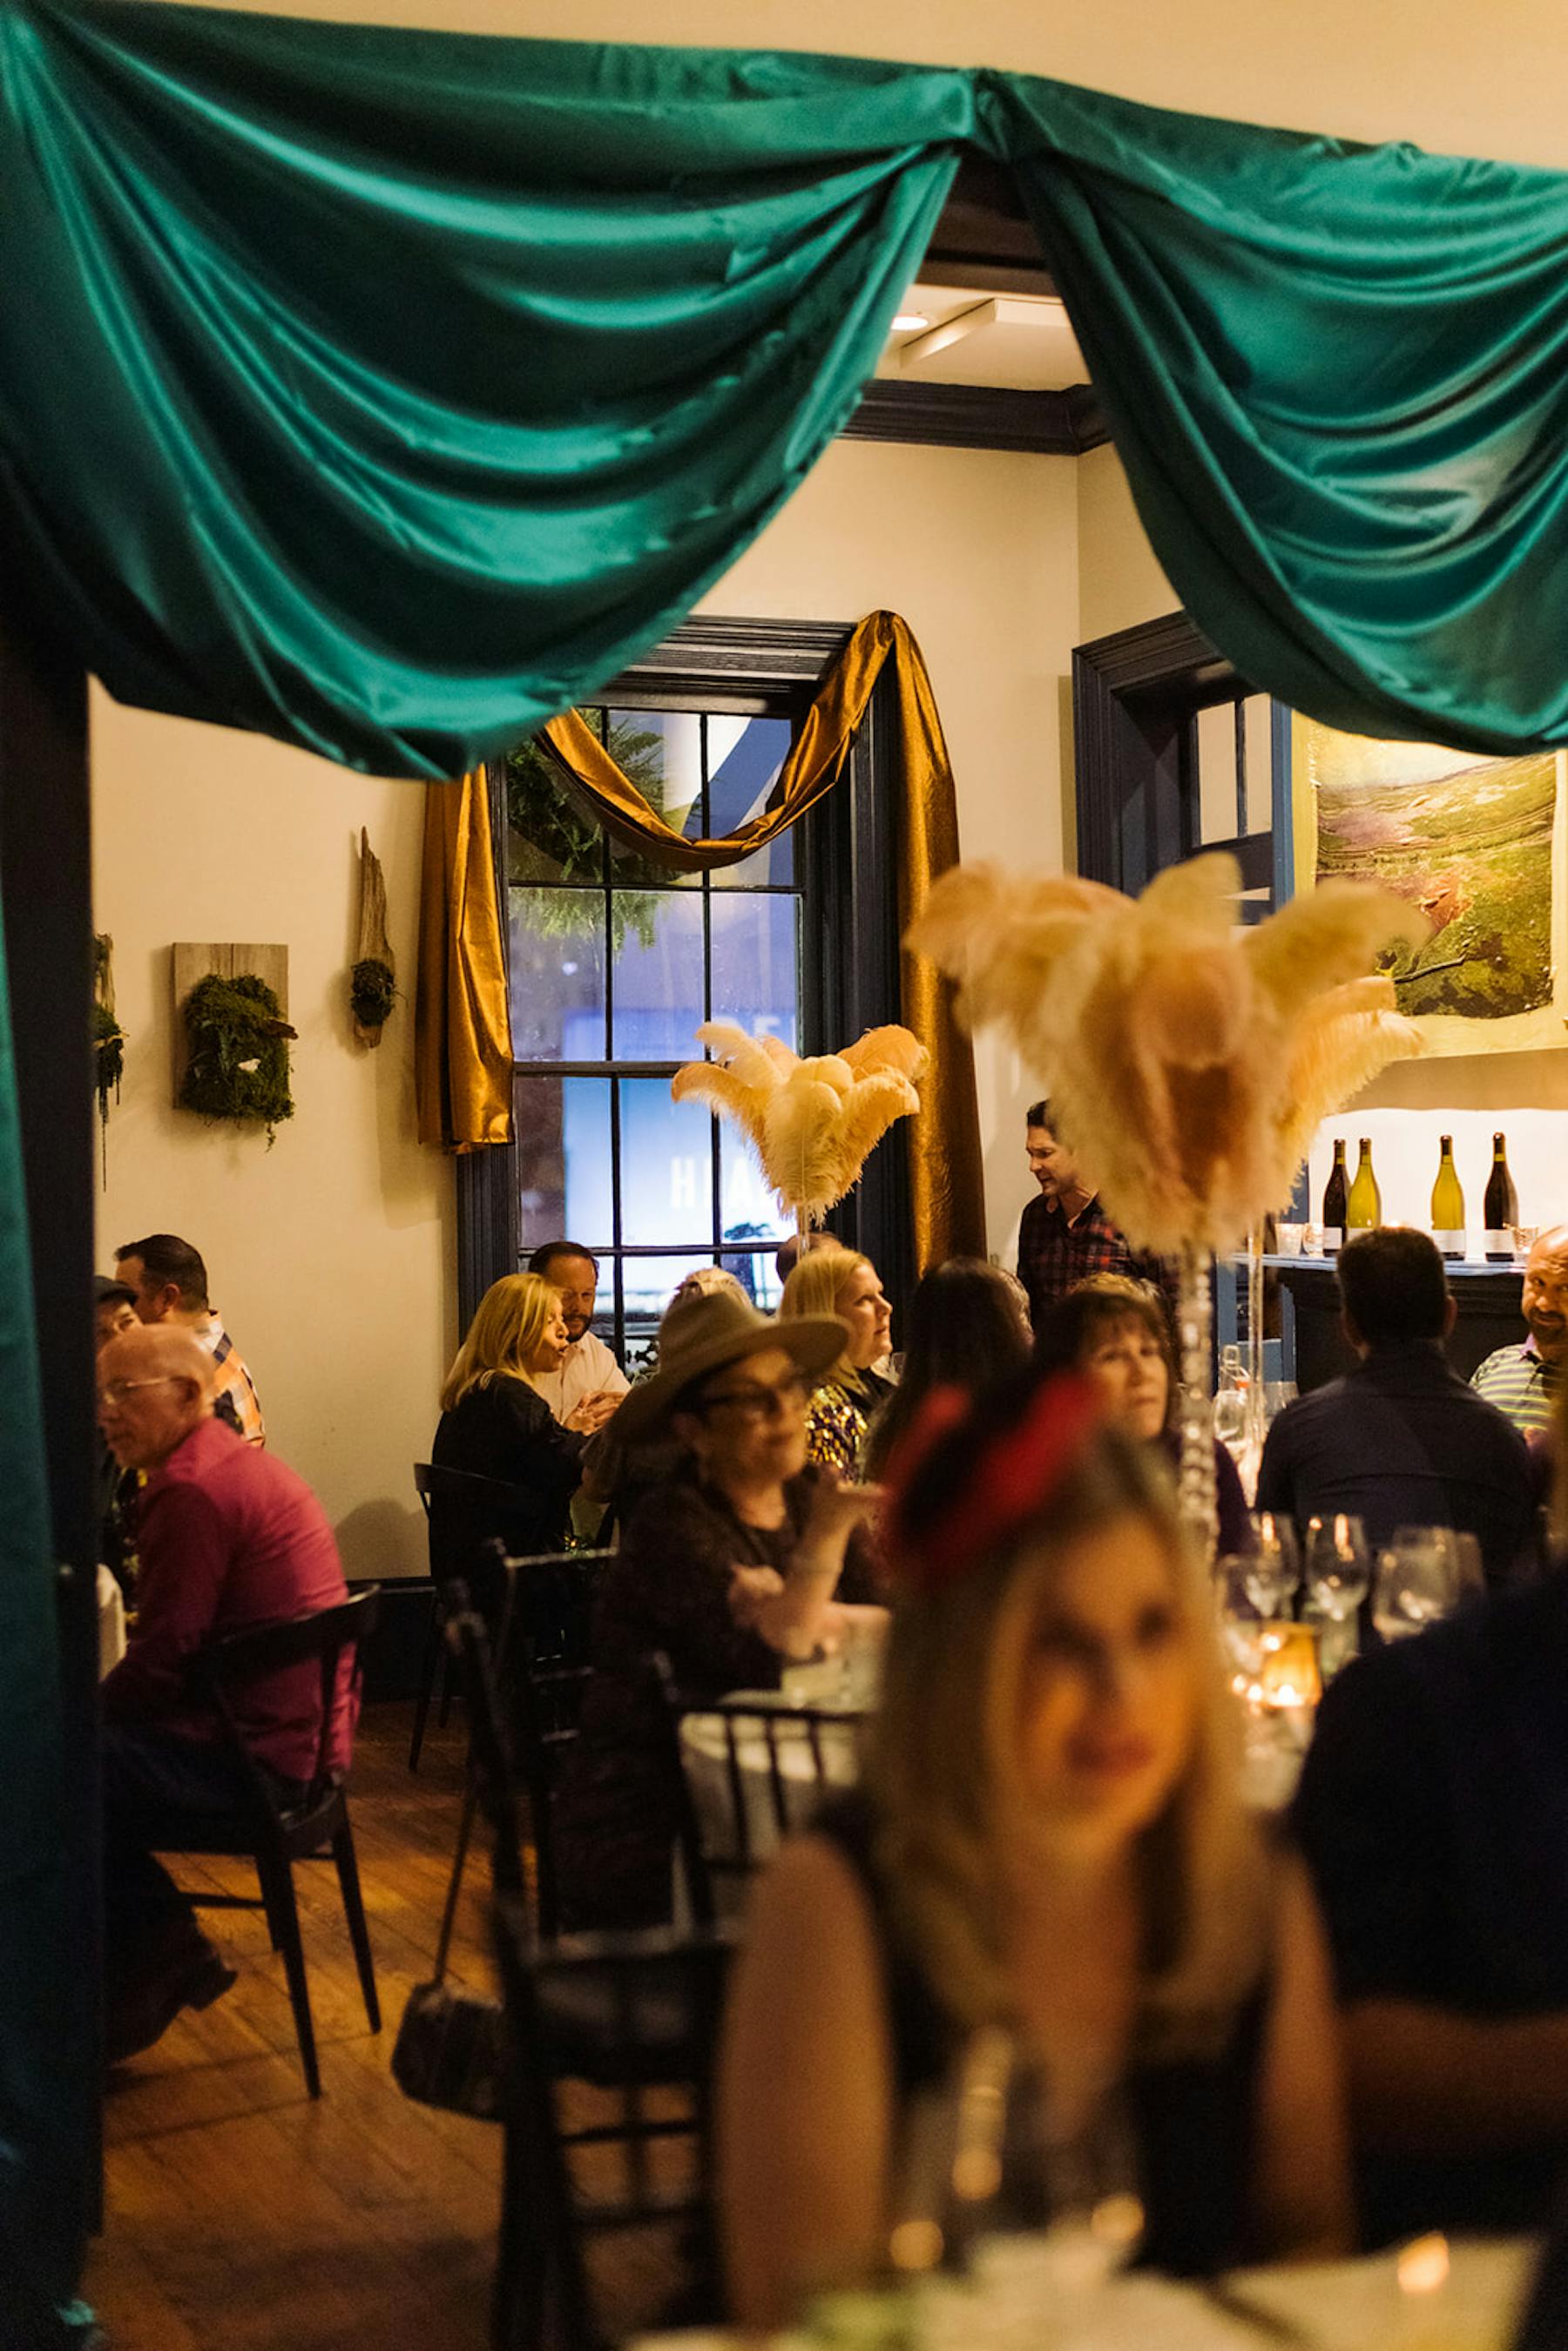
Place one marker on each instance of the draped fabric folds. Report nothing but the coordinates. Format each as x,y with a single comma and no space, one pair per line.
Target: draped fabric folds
387,391
462,1022
946,1184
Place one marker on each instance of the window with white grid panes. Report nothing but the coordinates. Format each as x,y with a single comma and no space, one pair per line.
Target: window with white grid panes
615,961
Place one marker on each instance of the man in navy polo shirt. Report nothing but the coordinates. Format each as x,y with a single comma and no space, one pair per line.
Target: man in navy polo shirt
1402,1440
228,1537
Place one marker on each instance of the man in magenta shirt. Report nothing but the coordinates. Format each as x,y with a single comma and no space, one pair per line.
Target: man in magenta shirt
228,1537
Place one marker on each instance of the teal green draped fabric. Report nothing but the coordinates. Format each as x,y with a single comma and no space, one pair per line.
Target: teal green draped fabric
1338,378
387,391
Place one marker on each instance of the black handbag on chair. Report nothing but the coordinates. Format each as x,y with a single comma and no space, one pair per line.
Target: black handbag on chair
451,2048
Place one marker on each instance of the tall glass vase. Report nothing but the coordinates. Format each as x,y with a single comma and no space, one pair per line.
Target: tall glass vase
1257,1413
1195,1495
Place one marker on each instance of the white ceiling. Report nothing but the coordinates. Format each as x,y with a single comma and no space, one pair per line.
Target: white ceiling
1021,340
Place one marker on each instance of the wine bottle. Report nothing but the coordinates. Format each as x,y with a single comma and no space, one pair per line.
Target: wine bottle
1336,1199
1364,1210
1502,1209
1449,1203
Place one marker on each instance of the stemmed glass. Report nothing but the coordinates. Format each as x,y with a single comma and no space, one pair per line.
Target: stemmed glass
1339,1574
1420,1581
1273,1569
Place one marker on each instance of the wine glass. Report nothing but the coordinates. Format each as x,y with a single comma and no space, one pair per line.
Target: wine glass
1338,1577
1339,1565
1418,1582
1273,1569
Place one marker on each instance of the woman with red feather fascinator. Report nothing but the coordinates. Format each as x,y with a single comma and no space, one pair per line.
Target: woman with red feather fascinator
1048,1841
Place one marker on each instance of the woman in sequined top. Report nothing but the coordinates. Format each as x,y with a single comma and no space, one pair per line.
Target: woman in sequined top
841,1281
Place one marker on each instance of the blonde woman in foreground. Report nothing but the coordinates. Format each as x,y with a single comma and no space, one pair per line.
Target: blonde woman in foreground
1048,1838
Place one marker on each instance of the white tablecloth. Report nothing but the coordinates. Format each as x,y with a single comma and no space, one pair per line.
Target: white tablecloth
1333,2306
705,1756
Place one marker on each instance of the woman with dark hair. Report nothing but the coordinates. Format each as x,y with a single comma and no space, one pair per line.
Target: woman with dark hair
967,1328
1114,1332
1050,1842
747,1558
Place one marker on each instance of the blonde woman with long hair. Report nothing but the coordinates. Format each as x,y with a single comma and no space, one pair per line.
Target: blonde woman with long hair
1048,1839
496,1424
842,1281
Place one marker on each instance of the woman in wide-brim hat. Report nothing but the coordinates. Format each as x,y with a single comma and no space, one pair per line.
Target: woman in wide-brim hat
741,1562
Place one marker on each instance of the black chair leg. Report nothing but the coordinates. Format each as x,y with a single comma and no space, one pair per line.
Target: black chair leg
429,1670
354,1910
445,1714
286,1910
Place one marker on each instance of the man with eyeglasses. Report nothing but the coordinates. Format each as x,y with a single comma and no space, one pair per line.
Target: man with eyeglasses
229,1537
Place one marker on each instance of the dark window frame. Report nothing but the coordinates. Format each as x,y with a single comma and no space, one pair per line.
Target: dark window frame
846,850
1136,696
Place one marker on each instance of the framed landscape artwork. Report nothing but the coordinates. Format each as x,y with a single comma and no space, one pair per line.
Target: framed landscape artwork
1481,845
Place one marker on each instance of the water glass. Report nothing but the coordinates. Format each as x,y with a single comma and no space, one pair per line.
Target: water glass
1290,1237
1419,1581
1339,1565
1273,1569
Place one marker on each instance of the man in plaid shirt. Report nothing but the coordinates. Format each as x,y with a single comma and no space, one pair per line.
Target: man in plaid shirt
169,1283
1065,1235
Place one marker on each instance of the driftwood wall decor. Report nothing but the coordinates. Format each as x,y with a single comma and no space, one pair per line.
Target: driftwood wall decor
372,986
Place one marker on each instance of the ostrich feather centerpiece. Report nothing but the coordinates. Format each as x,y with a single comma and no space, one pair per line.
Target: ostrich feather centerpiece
812,1124
1189,1059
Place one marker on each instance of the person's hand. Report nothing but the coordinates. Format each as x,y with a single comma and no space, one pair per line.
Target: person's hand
837,1506
750,1588
590,1415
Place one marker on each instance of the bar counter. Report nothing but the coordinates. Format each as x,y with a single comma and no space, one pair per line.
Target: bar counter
1486,1296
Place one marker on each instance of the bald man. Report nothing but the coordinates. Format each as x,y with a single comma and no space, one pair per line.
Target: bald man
1523,1382
228,1537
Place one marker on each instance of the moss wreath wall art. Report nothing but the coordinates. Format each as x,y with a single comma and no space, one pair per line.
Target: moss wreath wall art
238,1043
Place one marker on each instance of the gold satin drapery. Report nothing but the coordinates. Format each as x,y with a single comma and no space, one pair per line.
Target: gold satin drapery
462,1022
943,1141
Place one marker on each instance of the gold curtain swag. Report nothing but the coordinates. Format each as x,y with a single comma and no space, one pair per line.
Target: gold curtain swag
462,1022
944,1142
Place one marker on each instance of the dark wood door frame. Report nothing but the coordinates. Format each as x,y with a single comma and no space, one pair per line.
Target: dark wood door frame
46,881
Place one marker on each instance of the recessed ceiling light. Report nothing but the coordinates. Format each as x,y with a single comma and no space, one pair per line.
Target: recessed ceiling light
909,322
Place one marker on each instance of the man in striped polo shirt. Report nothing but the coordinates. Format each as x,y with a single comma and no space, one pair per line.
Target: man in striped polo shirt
1523,1382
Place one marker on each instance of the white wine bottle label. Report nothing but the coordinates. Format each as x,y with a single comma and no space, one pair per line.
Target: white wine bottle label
1334,1238
1499,1244
1451,1244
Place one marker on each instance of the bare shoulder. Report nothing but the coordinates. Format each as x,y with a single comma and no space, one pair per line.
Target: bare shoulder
810,1888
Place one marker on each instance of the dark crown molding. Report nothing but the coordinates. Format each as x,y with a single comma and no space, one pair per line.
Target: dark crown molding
979,416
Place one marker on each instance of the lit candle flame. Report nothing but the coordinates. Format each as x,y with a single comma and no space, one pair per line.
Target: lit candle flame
1423,2266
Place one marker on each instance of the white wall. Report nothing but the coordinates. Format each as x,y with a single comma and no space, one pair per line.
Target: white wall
1469,79
979,550
331,1256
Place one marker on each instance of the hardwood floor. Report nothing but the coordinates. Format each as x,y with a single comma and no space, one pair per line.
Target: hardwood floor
242,2216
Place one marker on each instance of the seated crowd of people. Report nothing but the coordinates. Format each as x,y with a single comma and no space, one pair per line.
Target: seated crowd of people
1342,2026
